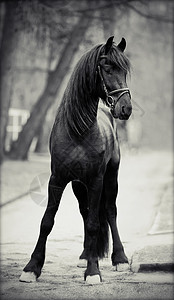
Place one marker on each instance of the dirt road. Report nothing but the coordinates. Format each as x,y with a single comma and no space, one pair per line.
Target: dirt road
142,181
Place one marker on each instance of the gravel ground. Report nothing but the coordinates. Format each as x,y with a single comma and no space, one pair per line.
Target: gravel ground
143,179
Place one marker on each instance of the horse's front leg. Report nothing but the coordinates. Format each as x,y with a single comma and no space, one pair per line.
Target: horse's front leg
92,273
33,269
111,189
80,191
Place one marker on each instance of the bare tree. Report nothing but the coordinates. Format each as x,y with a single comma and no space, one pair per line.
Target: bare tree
7,55
20,148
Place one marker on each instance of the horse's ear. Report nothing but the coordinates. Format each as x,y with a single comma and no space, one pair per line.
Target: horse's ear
108,44
122,44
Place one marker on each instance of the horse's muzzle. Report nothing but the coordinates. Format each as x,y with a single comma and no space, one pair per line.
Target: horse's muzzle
125,112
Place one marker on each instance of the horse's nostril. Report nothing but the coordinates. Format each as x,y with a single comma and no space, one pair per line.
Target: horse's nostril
126,110
123,110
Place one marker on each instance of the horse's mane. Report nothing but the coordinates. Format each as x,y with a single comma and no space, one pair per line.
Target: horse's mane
78,108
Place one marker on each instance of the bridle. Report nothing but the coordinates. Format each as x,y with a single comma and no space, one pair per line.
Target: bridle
110,101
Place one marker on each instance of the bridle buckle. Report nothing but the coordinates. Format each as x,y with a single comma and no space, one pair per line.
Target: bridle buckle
110,102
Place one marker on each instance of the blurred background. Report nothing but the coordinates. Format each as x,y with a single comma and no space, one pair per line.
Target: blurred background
41,42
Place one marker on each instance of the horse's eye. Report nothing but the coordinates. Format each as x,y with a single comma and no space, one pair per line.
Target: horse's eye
108,68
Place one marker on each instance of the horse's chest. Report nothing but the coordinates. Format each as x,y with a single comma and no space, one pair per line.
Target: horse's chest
78,161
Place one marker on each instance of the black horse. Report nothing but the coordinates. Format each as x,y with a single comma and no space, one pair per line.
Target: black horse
85,151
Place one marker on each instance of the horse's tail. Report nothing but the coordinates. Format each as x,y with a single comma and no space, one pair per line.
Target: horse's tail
103,237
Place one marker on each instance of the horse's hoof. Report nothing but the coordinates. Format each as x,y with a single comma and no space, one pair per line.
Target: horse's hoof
94,279
122,267
82,263
27,277
135,268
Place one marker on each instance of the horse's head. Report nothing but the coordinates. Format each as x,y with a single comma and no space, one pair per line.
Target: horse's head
112,69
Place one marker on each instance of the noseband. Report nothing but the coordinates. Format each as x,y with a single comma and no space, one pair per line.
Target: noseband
109,99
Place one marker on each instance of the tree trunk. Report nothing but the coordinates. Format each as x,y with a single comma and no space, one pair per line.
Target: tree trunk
7,55
42,145
20,148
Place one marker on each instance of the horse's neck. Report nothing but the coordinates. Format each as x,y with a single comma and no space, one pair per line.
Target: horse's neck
76,117
105,117
106,110
102,105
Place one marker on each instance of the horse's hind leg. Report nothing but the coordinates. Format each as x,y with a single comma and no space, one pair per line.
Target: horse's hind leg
80,191
33,269
111,190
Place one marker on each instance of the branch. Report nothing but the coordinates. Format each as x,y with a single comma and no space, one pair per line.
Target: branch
153,17
87,9
31,70
100,6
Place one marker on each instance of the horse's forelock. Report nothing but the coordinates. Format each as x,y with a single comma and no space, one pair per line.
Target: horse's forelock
119,59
